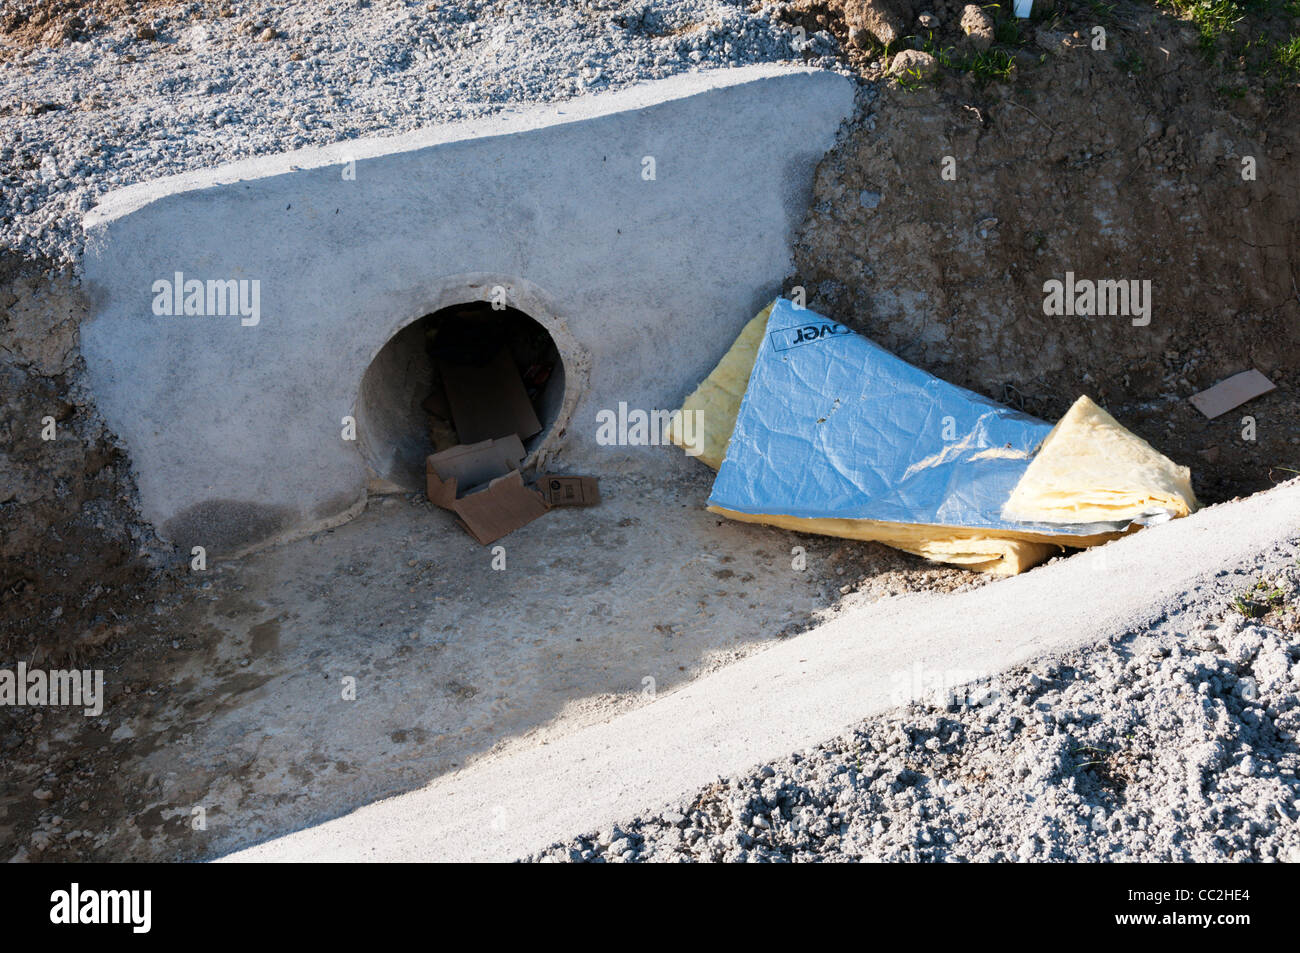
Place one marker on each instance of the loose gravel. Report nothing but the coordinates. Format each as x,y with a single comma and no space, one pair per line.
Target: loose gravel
1176,743
192,86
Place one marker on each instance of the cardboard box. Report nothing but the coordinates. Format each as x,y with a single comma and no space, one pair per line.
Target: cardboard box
482,485
569,490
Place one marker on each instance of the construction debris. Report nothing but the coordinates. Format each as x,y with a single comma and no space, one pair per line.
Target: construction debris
482,485
815,428
569,490
489,372
1230,393
1090,469
485,393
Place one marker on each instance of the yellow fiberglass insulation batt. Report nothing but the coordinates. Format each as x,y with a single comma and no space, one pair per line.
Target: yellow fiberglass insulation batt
1090,469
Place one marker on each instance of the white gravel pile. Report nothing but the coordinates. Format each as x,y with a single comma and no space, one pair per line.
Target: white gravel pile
1174,744
219,82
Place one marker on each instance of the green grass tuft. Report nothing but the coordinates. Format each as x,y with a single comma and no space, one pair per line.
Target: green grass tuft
1288,54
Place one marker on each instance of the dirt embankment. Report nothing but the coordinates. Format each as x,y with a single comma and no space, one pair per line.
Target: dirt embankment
27,24
1125,164
70,541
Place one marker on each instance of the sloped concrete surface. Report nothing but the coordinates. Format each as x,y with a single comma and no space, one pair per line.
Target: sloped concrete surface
795,694
235,425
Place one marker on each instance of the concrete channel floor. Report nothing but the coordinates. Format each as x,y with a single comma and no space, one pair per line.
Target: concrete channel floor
798,692
597,611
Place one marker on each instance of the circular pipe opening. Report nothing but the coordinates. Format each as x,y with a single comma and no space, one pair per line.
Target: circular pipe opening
457,375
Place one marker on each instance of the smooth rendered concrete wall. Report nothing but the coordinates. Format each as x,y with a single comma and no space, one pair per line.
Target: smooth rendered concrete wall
235,429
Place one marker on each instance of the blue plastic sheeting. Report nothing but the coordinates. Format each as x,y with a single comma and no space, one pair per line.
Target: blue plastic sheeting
832,425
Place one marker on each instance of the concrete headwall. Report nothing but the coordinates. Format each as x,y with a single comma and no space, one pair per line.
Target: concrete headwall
236,428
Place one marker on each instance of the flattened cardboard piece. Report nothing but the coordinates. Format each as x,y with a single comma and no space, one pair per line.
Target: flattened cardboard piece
500,508
488,401
569,490
1231,392
494,501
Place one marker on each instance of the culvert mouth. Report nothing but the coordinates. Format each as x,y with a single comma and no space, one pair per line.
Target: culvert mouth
462,374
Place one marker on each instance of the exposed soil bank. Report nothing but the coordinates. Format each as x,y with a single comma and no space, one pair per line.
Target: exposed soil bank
1121,164
71,561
